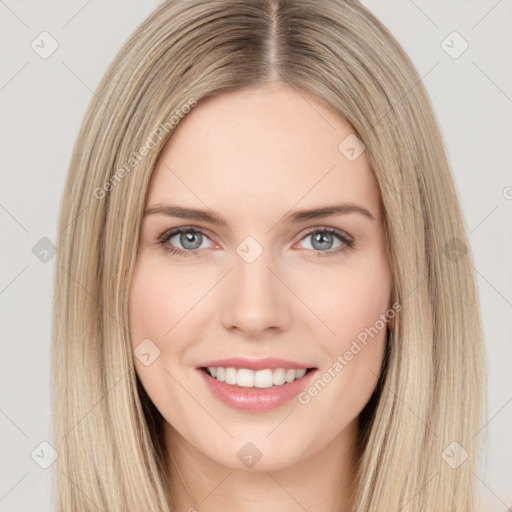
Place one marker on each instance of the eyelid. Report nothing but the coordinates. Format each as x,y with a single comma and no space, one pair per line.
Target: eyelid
308,231
329,229
347,240
170,233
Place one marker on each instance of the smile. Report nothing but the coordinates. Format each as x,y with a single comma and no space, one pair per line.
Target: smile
247,378
256,389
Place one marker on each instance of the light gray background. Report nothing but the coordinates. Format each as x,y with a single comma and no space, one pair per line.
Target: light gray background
42,102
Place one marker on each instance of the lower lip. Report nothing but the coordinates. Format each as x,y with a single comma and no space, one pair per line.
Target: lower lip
255,399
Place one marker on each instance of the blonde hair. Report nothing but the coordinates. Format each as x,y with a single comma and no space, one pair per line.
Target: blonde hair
106,430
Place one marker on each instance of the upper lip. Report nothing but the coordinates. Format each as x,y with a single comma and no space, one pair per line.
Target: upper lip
255,364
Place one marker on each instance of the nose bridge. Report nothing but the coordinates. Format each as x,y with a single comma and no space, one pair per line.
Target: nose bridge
256,299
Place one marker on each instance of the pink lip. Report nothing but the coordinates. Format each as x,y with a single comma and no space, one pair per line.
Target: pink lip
255,364
255,399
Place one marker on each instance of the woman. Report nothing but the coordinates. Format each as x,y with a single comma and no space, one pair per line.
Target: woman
264,299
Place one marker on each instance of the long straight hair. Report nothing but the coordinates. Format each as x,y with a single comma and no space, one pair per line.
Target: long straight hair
421,422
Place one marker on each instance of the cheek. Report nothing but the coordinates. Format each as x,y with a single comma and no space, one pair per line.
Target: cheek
354,300
146,306
155,312
352,305
158,300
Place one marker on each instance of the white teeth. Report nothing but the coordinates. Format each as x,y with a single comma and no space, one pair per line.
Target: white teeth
279,376
290,376
221,374
246,378
300,373
263,379
230,377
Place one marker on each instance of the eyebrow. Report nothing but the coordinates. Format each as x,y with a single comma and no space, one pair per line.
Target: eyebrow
292,217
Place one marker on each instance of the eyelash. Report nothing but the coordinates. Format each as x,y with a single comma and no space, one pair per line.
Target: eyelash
164,238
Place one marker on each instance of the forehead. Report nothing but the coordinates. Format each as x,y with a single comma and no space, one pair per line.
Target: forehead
257,151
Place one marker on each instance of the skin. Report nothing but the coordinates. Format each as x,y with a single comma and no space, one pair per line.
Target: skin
253,156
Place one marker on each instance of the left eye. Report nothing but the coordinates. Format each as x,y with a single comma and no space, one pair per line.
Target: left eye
323,239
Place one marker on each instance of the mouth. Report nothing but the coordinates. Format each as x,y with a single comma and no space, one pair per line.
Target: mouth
260,379
255,390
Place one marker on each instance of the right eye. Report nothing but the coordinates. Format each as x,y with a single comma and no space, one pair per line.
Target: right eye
190,239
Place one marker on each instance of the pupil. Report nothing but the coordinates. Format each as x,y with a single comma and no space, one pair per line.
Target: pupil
187,239
322,238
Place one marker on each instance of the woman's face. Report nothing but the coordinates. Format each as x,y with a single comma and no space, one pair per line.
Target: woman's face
266,282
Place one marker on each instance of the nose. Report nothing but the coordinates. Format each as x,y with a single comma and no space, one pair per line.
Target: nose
255,298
